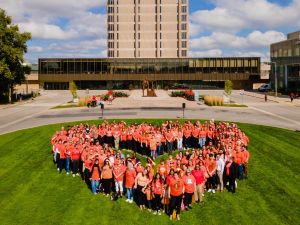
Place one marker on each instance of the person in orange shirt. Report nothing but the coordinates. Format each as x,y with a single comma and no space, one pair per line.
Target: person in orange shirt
130,175
211,170
123,142
176,190
152,145
239,158
189,187
157,189
95,176
106,177
62,156
118,171
169,139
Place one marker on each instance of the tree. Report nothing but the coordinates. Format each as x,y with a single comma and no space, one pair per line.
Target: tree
12,49
228,87
73,89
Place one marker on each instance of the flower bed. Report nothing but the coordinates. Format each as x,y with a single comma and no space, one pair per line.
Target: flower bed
187,94
83,101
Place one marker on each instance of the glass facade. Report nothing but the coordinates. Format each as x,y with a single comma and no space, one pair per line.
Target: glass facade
150,66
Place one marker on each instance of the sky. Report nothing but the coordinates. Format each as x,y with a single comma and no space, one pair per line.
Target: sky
77,28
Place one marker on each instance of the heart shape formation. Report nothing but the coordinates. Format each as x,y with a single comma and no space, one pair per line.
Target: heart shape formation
210,157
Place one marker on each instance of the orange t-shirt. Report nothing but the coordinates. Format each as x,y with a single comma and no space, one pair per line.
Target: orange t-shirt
119,172
106,172
176,187
95,174
129,178
189,183
157,187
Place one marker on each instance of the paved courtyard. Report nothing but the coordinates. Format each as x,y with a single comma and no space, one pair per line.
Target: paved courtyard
278,112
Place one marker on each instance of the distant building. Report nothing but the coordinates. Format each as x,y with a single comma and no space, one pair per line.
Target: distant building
265,69
285,56
31,83
104,73
147,28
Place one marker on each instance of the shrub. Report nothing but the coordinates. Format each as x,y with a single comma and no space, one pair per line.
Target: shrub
83,101
73,89
228,87
213,100
187,94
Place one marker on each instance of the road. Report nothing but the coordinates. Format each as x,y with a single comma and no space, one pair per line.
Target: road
280,113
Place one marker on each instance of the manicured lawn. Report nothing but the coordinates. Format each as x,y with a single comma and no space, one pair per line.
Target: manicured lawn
33,192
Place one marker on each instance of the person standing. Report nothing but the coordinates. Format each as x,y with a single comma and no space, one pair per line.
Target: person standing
220,172
189,187
157,188
200,181
130,175
106,177
176,190
141,182
95,178
231,173
211,170
118,171
75,156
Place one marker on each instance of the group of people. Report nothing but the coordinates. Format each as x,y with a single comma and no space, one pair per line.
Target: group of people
211,157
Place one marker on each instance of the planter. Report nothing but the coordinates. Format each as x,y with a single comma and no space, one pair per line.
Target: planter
226,99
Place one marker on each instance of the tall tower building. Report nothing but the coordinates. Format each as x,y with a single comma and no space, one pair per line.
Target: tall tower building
147,28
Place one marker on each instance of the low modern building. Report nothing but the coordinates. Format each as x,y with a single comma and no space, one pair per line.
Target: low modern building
285,58
31,83
104,73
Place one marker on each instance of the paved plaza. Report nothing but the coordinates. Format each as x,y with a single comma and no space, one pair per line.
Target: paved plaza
278,112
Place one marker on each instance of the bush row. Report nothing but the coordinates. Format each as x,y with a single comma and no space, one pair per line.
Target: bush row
214,100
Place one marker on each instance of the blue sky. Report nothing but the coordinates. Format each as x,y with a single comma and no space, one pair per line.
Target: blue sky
76,28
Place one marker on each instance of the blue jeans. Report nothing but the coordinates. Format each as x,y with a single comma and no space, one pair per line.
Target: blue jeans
68,160
169,147
240,172
129,192
158,150
94,185
61,164
202,142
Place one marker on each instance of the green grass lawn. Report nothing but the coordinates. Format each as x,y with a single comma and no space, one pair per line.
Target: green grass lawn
33,192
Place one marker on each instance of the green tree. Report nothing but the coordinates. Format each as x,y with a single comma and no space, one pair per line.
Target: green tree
73,89
228,87
12,49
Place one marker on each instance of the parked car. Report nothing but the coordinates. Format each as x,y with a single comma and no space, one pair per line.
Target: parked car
264,88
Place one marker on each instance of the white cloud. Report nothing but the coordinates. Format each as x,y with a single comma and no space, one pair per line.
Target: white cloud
231,16
79,47
255,40
48,31
57,19
208,53
35,49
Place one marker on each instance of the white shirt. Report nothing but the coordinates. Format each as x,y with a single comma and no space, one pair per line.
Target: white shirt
220,165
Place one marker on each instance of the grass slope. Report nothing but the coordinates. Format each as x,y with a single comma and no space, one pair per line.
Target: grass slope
32,192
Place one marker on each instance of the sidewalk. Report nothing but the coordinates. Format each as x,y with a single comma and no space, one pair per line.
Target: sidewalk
281,99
